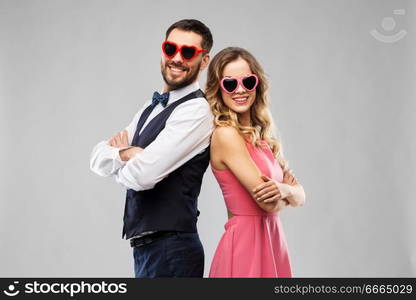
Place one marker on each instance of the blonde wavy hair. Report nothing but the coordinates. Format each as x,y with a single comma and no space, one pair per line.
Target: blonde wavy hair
262,122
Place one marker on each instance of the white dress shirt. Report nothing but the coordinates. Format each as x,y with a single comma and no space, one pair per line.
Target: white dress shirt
186,134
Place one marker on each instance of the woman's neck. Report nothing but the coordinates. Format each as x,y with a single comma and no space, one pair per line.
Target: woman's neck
245,119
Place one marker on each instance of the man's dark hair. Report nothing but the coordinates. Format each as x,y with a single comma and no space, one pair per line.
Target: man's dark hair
194,26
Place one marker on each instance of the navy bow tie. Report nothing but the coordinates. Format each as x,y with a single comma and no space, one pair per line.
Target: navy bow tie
163,99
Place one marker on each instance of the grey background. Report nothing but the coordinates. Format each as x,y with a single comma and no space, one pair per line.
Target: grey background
73,73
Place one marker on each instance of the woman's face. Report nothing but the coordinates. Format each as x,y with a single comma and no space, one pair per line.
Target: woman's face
240,100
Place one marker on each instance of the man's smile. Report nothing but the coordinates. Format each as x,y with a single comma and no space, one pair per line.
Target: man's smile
176,70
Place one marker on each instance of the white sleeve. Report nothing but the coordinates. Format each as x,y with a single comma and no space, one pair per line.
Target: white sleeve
104,159
186,134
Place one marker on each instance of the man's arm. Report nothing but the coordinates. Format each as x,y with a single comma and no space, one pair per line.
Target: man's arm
105,159
186,134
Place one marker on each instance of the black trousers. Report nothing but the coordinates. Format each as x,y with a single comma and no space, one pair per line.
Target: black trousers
178,255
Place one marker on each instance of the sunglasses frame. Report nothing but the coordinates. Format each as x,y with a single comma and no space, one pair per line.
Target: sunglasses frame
197,50
239,83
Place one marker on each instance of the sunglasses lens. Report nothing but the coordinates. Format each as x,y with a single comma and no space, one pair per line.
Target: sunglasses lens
250,82
229,84
169,49
188,52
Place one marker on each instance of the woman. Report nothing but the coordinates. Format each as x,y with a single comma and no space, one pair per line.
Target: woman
248,166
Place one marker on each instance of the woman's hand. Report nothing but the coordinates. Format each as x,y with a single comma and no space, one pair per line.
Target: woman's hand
281,204
271,190
274,206
289,177
298,194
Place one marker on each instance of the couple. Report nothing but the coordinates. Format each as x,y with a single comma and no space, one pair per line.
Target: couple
162,155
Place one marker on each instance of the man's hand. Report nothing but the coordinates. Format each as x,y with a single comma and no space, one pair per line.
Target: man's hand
119,140
129,153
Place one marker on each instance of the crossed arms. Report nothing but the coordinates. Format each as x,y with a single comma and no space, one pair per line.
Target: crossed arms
228,149
187,133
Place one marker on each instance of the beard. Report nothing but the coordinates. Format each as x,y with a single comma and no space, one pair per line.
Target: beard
188,79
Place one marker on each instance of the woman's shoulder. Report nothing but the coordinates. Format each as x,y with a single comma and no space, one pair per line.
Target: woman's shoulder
224,133
226,136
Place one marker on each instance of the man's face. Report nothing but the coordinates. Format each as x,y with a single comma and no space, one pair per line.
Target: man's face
178,72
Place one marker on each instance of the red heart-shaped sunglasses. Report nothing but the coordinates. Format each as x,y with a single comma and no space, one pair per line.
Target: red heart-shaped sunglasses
187,52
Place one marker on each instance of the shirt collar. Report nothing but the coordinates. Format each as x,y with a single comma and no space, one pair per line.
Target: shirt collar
182,92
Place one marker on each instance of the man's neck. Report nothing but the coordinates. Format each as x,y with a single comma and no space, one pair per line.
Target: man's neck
167,88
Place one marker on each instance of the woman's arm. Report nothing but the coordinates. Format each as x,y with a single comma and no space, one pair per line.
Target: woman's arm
289,190
229,149
297,193
297,197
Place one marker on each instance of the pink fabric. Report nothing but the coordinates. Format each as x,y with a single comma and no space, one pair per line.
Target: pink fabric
253,244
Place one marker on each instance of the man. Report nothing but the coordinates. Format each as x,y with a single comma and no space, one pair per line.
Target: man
161,158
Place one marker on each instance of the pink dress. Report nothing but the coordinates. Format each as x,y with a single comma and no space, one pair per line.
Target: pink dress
253,244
